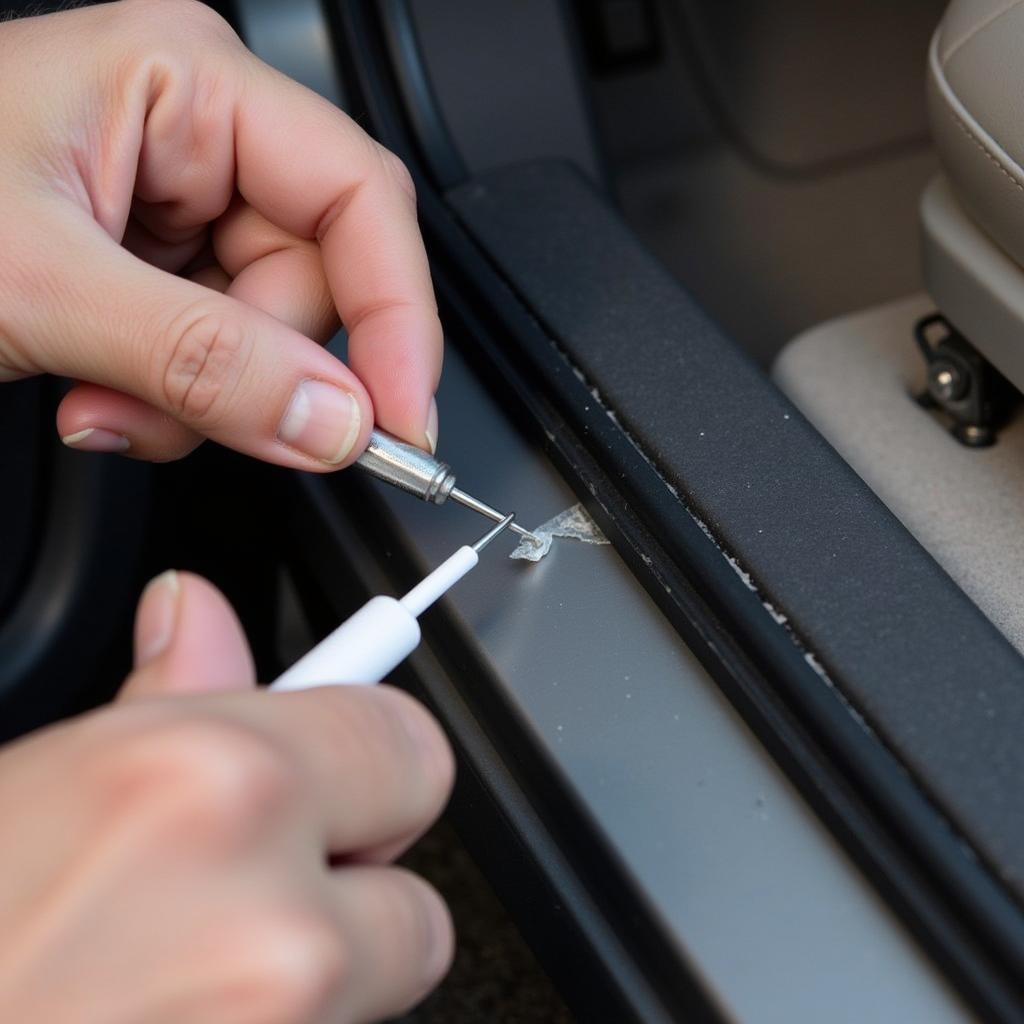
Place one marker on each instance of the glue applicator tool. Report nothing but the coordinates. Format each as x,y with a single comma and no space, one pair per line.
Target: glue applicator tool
418,472
378,637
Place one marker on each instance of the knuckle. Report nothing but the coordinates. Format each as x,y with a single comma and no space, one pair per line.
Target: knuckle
295,963
198,781
397,172
207,360
231,776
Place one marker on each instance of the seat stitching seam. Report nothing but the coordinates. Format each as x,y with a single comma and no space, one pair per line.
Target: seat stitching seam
981,145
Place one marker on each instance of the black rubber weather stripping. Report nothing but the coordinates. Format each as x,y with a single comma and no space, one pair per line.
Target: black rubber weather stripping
833,632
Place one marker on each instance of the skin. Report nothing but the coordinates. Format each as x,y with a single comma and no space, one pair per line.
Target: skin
183,228
163,148
179,864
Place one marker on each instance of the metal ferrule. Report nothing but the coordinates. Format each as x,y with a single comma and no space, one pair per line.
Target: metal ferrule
407,467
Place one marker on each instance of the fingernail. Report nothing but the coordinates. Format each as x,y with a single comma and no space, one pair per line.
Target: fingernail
431,428
96,439
159,611
322,421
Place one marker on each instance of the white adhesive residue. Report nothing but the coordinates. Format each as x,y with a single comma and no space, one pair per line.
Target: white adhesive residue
573,522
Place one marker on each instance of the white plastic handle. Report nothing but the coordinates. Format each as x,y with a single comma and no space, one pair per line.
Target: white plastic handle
381,635
363,649
440,581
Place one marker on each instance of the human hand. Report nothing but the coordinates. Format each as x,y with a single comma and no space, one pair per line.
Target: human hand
181,224
167,859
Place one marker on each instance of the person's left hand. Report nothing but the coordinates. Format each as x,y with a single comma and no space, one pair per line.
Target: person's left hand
208,853
181,226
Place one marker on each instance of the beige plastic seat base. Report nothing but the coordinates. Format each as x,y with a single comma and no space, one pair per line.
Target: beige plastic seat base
853,378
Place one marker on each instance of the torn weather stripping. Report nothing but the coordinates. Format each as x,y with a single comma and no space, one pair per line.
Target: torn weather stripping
574,522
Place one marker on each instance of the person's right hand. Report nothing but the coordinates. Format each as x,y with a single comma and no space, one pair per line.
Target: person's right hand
181,225
216,857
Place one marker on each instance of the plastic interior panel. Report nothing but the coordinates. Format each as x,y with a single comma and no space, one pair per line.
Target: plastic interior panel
491,63
67,637
20,470
800,84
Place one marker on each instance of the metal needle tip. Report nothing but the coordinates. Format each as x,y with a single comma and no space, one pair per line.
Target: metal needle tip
488,537
491,513
531,537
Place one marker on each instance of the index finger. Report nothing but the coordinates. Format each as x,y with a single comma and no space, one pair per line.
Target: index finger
310,169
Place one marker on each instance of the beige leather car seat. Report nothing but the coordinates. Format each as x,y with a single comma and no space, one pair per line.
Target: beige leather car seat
856,377
973,214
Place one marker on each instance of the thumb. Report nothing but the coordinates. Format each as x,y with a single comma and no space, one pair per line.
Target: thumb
215,364
187,640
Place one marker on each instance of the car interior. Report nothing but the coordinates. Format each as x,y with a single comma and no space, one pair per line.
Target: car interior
747,281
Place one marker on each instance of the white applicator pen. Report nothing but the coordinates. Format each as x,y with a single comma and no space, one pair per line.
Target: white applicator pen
367,646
